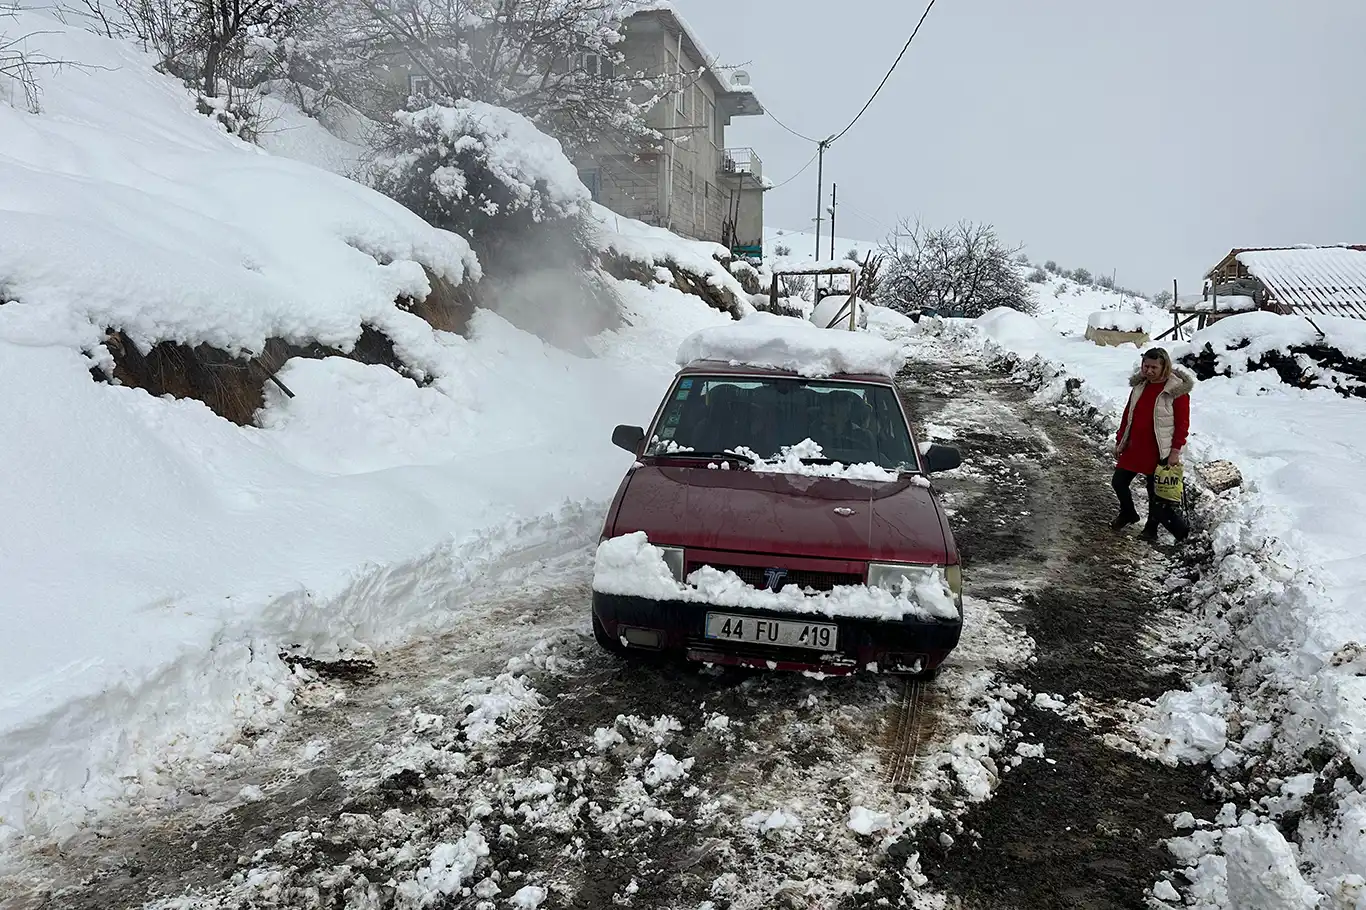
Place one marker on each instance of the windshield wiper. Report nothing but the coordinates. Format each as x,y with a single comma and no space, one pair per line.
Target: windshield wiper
693,453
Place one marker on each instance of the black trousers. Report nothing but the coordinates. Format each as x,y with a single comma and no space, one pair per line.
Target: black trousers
1160,511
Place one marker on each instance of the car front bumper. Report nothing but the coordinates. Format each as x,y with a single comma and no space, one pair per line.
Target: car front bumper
909,645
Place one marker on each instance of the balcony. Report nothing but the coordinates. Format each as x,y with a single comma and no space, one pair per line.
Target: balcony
741,163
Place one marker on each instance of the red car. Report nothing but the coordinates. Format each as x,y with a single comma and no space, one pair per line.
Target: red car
777,521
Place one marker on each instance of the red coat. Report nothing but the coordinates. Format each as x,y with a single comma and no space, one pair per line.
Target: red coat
1141,454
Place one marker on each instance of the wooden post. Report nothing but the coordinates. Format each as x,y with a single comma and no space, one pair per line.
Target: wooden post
1176,298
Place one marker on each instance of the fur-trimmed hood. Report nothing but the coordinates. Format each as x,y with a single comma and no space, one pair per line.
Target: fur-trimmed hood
1179,383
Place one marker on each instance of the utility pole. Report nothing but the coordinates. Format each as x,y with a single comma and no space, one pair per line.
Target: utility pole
834,188
820,188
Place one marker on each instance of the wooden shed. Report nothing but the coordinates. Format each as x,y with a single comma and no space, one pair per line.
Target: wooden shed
1303,280
1300,280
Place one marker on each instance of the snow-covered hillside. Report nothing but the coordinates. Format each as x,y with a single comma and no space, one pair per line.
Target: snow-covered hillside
802,244
155,557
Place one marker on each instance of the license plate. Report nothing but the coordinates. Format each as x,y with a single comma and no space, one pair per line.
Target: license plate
760,630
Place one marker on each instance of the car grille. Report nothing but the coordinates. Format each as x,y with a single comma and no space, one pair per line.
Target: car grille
755,576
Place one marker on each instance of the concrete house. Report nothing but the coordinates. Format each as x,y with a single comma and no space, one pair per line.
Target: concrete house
691,183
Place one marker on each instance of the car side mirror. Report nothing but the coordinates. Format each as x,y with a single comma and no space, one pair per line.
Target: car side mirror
628,438
941,458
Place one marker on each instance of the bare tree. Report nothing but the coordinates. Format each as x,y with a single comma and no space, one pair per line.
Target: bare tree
963,269
204,42
798,286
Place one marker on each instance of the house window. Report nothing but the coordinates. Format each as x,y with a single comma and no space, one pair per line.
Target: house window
591,177
420,86
595,65
681,90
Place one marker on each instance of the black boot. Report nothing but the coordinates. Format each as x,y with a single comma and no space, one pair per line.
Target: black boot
1149,533
1124,520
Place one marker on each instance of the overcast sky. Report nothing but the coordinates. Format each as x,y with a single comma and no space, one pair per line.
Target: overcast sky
1143,137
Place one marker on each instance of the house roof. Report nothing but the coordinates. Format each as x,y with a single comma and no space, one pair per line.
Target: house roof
1329,280
741,94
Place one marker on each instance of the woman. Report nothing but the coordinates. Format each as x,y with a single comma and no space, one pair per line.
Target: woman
1152,432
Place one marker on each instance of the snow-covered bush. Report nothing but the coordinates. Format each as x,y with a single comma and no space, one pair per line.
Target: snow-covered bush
748,276
470,166
1082,276
1038,276
1051,266
491,176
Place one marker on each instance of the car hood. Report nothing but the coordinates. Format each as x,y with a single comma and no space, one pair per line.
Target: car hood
785,514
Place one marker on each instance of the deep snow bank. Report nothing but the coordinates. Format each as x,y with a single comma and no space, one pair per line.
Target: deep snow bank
155,557
1281,605
1328,352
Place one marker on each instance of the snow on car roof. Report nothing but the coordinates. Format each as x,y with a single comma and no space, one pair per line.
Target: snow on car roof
796,345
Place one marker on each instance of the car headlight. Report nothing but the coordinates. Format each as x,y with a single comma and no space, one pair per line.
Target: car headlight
893,575
673,558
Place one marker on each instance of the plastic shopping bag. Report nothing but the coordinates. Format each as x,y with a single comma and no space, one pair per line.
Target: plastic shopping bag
1169,482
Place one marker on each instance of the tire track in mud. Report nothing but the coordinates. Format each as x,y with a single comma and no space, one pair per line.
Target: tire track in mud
1080,825
911,724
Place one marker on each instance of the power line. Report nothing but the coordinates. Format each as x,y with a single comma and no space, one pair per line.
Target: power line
788,128
796,175
860,213
878,90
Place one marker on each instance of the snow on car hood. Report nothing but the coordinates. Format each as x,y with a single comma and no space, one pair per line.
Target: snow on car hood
630,565
783,514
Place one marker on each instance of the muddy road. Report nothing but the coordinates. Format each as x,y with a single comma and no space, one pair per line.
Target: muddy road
510,763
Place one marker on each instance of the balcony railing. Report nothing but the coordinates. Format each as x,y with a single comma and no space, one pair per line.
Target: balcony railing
735,162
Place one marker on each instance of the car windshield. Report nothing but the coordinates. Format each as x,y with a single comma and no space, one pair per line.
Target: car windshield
854,423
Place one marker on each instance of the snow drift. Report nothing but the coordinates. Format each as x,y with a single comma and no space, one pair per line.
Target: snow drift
156,558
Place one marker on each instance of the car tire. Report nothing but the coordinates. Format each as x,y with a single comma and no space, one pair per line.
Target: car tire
605,641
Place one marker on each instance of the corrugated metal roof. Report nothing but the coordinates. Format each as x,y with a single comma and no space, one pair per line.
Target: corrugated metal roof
1330,280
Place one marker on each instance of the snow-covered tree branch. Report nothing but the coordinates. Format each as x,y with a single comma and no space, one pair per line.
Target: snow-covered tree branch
19,67
963,269
556,62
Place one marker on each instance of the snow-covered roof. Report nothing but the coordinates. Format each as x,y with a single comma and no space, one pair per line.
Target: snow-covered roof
784,343
726,76
1330,280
